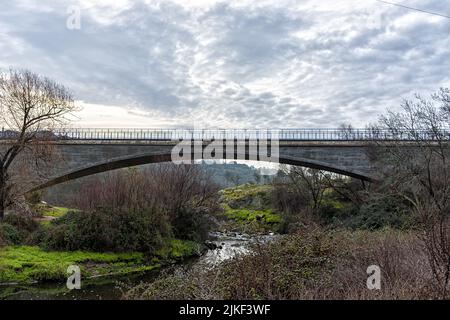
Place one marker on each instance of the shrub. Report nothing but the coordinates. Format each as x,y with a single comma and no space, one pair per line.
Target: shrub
26,230
16,228
192,224
183,194
376,212
36,238
109,230
9,234
285,199
279,270
3,241
23,223
313,264
381,211
292,223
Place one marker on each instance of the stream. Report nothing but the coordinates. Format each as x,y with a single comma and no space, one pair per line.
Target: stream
227,246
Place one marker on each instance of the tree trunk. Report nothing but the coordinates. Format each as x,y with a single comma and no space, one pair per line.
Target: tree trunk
2,194
2,204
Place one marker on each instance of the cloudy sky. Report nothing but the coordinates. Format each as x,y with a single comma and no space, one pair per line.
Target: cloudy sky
258,64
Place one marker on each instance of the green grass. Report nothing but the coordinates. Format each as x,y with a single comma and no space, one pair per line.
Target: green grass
178,249
56,212
265,216
248,206
26,264
245,191
50,211
46,223
29,264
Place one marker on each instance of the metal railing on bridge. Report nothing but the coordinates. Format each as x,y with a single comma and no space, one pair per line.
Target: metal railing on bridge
318,134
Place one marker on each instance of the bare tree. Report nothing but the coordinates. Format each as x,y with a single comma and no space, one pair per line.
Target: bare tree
307,184
346,132
31,106
165,186
417,167
350,189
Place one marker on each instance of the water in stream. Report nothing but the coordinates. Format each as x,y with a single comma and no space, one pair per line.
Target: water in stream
228,246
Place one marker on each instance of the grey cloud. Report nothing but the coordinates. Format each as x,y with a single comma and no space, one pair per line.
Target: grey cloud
230,65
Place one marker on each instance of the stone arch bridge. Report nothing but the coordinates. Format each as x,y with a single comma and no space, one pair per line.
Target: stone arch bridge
85,152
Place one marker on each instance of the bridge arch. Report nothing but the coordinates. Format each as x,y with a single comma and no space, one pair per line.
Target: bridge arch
131,161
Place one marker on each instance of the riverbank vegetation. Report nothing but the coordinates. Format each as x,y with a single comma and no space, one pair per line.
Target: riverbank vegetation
337,227
124,223
24,264
310,264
